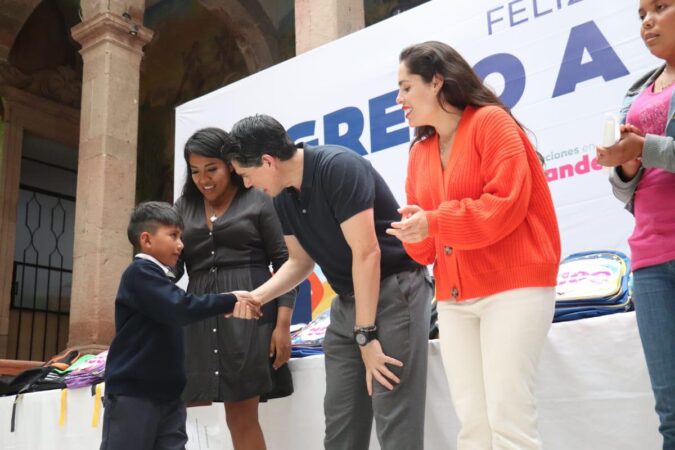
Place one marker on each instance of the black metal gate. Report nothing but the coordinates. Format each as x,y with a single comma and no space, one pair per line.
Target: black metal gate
42,275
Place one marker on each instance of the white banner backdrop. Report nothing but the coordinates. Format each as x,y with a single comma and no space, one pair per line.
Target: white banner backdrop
561,65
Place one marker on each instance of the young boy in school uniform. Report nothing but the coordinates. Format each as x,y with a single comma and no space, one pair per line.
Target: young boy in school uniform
144,374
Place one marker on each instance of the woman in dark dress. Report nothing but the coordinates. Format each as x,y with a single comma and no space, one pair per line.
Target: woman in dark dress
231,237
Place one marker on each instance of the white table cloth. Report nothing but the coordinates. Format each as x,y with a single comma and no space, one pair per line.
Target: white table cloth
593,394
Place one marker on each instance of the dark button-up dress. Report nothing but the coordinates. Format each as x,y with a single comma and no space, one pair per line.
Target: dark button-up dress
228,359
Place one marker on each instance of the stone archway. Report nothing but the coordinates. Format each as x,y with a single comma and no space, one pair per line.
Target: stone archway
251,27
14,16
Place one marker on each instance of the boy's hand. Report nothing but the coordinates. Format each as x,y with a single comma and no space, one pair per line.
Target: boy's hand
247,306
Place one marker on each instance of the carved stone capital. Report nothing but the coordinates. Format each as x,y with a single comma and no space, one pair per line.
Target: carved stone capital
134,8
108,27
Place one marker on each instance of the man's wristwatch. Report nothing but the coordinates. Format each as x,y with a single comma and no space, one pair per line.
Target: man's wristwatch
363,335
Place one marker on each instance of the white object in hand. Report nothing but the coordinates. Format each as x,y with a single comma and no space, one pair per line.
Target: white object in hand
609,131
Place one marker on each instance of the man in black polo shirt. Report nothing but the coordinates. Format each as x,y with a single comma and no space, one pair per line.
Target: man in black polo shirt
334,209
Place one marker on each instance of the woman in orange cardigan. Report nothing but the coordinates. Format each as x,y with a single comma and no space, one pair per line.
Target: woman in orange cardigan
480,210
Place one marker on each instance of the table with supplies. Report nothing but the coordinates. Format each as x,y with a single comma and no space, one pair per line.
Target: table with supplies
593,394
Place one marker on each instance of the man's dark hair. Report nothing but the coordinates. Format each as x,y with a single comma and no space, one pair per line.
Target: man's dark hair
147,217
258,135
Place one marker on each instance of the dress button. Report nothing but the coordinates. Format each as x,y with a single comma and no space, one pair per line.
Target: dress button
215,350
216,372
213,252
447,250
304,211
455,292
214,330
213,269
210,233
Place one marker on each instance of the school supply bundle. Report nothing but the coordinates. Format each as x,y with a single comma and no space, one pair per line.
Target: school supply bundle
309,339
46,377
87,372
41,378
591,284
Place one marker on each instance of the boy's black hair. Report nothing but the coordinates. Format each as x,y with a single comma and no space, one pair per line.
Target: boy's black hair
147,217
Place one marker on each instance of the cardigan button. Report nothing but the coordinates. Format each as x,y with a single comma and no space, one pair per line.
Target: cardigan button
447,250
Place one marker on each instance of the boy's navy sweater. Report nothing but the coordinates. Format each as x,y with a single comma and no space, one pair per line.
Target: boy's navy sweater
146,356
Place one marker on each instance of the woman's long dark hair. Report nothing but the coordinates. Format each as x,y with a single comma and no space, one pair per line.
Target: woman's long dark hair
461,85
210,143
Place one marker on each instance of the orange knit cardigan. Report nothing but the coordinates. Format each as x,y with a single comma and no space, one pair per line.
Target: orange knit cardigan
492,225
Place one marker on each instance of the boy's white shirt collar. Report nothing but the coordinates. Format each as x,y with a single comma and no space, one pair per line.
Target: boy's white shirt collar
166,270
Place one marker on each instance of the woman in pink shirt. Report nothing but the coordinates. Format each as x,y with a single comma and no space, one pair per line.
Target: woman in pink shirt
643,177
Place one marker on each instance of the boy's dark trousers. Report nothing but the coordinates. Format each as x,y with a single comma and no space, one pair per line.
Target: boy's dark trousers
135,423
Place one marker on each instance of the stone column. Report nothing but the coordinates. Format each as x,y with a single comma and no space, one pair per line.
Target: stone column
10,172
8,201
112,40
319,22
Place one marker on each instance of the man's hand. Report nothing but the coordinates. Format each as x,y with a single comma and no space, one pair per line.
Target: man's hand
247,306
280,346
376,366
413,226
625,152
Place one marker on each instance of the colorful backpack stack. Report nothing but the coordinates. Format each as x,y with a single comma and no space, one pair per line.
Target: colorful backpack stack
86,372
308,340
593,284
